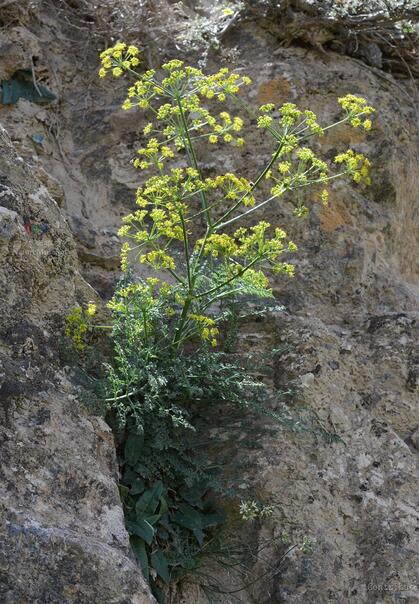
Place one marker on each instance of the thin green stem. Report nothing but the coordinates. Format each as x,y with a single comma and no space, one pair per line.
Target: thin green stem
192,155
254,209
145,326
230,292
120,398
200,252
217,287
182,321
186,250
172,272
266,169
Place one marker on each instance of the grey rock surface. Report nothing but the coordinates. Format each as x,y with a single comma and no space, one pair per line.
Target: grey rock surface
62,535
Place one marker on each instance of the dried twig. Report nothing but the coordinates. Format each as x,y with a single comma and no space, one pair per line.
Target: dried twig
35,83
293,19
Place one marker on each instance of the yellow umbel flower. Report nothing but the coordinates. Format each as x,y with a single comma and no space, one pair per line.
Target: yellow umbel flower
91,309
118,59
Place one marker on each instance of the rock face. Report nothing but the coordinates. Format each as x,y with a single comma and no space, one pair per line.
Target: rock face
348,334
62,537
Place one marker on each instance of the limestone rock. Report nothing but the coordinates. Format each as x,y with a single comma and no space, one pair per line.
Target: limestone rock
62,535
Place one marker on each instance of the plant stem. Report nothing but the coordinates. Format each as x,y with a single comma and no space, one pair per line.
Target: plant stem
183,317
217,287
192,155
253,187
186,249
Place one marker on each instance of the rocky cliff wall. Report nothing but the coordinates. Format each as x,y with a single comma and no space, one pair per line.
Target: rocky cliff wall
349,328
62,537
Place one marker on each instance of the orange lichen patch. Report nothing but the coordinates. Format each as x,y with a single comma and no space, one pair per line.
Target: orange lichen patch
333,217
336,137
274,91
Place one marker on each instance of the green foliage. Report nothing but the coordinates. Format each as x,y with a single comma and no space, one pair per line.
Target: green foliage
167,483
168,366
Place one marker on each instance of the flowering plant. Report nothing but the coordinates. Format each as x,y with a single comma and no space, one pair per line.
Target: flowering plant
184,229
192,232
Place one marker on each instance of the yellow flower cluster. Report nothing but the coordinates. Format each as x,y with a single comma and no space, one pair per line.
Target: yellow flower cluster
76,324
268,108
264,121
324,197
117,59
182,84
183,106
125,250
289,143
357,166
290,116
284,167
233,187
227,12
142,293
310,119
219,245
176,186
172,65
115,305
254,242
256,279
355,107
153,154
143,90
158,259
222,84
222,130
167,223
205,326
309,170
252,245
91,309
306,155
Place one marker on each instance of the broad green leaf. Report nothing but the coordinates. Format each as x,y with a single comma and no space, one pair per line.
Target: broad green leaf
148,502
159,563
193,495
142,529
152,519
164,508
137,486
189,517
139,550
196,521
